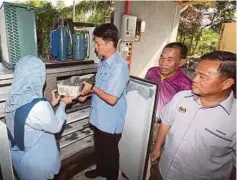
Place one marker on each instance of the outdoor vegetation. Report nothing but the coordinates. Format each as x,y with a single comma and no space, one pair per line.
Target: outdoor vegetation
46,15
199,28
200,25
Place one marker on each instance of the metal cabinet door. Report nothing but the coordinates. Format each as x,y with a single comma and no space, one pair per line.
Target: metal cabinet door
135,141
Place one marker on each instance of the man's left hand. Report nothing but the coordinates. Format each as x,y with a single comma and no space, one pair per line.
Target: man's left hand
87,89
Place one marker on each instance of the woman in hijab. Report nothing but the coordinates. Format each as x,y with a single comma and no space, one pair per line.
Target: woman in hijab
32,122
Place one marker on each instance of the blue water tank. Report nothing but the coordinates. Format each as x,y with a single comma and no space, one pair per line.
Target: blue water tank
79,46
63,43
54,44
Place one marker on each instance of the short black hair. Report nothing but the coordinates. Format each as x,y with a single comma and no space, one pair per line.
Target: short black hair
108,32
183,49
227,67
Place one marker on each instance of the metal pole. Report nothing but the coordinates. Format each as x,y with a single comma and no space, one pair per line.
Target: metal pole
73,11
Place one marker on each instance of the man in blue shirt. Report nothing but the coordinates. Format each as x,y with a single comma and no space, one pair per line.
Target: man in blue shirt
108,106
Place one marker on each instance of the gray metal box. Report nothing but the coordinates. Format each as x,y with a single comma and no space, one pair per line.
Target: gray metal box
17,33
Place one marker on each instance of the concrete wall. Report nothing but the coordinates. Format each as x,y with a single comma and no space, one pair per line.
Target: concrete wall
162,19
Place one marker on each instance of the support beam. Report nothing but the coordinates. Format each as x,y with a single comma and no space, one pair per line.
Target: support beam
128,7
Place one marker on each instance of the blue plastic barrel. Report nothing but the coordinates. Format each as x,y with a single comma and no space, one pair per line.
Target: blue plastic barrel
51,43
78,46
63,44
54,43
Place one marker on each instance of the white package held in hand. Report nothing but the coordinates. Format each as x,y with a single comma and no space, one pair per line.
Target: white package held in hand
72,86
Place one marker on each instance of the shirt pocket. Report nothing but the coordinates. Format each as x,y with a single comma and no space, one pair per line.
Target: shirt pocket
104,81
105,77
217,138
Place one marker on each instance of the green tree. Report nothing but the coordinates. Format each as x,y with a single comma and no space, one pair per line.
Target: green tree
59,5
190,28
207,41
197,18
96,12
45,18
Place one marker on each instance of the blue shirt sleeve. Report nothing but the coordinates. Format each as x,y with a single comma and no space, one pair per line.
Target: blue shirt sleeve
117,83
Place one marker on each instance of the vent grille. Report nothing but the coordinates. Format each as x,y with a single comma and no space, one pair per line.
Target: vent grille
13,34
